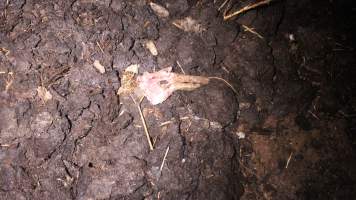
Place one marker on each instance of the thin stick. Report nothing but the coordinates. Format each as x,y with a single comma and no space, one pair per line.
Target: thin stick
247,8
223,4
226,70
101,49
227,83
290,156
314,115
166,123
180,66
164,159
143,121
183,118
252,31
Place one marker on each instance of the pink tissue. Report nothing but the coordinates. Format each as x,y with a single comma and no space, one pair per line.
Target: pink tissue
157,86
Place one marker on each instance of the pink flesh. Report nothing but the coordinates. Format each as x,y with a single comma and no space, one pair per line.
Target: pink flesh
151,85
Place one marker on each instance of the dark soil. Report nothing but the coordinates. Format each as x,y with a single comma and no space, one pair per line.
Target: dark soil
295,103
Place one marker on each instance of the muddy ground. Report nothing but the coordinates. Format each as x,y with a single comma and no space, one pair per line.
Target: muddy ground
289,133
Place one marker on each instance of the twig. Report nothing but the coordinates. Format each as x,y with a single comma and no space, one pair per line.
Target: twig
180,66
143,121
223,4
227,83
290,156
164,159
246,8
252,31
146,24
154,140
314,115
165,123
183,118
226,70
101,49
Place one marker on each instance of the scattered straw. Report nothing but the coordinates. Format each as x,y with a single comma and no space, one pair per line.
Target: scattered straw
164,159
314,115
184,118
166,123
247,8
226,70
147,23
290,156
227,83
121,113
223,4
251,30
154,141
101,49
180,66
143,121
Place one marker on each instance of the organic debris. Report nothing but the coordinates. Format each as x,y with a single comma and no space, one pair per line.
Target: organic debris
251,30
101,49
246,8
5,51
44,94
152,47
99,66
159,10
223,4
188,24
143,121
158,86
128,80
9,81
180,66
288,161
164,159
